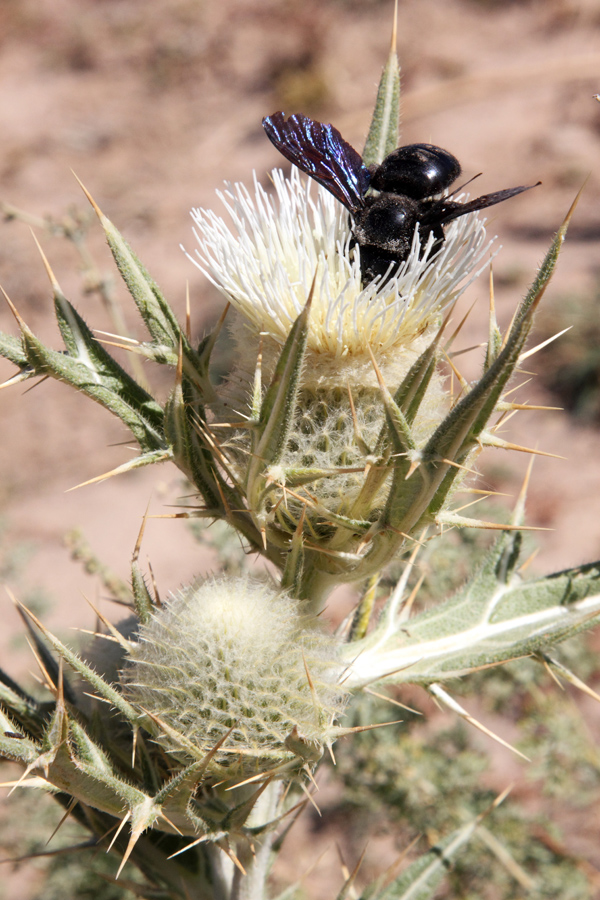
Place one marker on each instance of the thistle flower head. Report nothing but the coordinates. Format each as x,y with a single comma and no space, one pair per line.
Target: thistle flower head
277,251
265,261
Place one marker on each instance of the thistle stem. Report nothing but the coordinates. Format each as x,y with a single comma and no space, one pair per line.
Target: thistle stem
256,859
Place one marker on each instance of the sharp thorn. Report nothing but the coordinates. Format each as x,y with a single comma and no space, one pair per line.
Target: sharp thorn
539,347
437,691
93,203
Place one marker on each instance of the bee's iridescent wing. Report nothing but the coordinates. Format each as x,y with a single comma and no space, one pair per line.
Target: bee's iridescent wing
320,151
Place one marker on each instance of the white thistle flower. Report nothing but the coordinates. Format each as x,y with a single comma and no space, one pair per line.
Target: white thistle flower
265,261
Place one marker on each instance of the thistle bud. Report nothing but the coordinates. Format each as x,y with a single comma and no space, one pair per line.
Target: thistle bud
236,653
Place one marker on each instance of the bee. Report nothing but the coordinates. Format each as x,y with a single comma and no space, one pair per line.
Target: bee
408,183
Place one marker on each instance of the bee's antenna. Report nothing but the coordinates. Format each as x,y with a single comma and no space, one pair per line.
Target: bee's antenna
452,209
466,183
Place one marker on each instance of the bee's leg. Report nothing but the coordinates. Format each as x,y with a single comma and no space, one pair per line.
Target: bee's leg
439,237
375,262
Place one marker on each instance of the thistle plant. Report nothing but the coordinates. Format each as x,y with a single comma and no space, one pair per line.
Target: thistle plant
187,738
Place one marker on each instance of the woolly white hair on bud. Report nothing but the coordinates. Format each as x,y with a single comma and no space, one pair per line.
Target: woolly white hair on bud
235,653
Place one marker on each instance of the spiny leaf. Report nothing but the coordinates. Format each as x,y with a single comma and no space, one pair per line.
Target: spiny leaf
194,448
144,606
457,435
16,745
278,406
11,348
98,787
364,610
411,391
278,409
291,578
82,345
138,462
153,306
141,422
13,698
101,687
383,132
494,345
493,619
422,879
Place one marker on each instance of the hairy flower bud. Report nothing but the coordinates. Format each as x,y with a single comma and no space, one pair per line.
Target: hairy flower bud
236,653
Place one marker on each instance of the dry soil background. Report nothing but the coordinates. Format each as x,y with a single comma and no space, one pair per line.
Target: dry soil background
154,103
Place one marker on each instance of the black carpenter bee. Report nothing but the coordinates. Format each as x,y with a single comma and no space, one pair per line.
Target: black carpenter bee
407,181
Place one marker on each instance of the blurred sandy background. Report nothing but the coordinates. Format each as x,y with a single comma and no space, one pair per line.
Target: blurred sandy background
154,103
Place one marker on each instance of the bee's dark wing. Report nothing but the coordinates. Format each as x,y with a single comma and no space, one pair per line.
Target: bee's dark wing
321,152
443,211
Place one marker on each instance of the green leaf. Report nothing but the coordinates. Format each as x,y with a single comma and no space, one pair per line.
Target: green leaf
153,307
83,346
411,392
14,744
421,880
494,618
407,398
291,578
425,493
11,348
156,312
94,785
195,452
102,688
144,606
141,421
383,132
16,701
278,408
